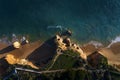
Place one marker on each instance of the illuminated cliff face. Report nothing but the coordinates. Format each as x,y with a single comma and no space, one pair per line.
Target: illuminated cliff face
37,51
18,56
74,47
59,42
12,60
16,44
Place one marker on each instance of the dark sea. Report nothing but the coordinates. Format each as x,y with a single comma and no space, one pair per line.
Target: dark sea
89,20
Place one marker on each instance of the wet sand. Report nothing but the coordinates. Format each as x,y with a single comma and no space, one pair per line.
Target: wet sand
36,53
25,50
3,45
112,53
22,52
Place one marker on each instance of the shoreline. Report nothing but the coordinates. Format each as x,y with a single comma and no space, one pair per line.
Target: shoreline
29,54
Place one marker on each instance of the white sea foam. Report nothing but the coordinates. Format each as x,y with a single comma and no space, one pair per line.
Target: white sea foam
96,43
23,38
5,40
55,27
14,37
117,39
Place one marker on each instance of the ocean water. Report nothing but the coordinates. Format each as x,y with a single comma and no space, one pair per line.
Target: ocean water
89,20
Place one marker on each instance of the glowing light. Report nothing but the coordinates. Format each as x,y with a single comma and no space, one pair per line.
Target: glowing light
27,41
16,44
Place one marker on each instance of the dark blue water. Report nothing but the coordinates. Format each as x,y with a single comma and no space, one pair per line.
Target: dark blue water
88,19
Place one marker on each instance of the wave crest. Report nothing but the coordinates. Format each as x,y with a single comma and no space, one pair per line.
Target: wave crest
117,39
10,39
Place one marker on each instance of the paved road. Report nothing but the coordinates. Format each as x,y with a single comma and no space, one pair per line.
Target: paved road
51,71
56,57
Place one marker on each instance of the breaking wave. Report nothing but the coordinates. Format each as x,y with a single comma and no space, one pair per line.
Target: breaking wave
56,27
117,39
10,39
96,43
14,37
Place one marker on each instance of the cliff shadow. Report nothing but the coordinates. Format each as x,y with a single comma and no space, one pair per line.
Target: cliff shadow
44,53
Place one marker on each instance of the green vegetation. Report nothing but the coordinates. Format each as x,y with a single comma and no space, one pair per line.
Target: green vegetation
67,60
71,52
64,62
103,63
70,61
67,75
115,76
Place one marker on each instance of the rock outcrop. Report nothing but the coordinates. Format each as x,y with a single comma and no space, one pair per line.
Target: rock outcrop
38,54
97,60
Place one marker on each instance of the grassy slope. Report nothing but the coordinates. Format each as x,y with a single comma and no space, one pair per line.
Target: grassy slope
67,60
